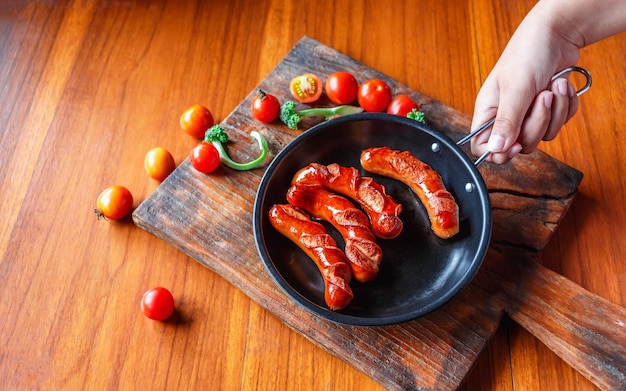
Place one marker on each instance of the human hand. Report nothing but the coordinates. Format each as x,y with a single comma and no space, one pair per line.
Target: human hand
528,107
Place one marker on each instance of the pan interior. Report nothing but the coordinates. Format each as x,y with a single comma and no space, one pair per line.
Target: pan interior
419,271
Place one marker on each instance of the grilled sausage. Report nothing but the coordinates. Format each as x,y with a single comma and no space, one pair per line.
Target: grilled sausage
382,210
313,239
360,243
442,209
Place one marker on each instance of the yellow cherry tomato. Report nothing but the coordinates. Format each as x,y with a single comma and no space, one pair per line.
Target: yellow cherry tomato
114,203
196,120
159,163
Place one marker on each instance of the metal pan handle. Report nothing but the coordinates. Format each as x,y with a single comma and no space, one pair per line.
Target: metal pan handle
490,122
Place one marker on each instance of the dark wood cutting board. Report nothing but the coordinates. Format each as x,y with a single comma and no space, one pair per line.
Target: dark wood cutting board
210,219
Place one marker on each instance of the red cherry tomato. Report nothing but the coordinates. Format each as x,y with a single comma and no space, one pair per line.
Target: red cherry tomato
114,203
159,163
157,304
196,120
374,95
205,157
402,105
341,88
265,107
306,88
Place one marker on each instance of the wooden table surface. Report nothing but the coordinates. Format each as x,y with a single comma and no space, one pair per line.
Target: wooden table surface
87,88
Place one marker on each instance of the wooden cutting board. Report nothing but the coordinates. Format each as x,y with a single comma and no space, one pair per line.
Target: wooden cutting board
210,219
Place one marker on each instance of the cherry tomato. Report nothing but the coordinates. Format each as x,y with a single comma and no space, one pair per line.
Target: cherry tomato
114,203
306,88
341,88
402,105
374,95
159,163
205,157
196,120
157,303
265,107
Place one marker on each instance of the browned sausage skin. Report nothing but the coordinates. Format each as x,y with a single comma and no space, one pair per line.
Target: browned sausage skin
442,209
313,239
382,210
360,243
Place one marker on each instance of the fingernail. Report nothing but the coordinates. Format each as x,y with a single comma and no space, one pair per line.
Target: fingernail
547,100
496,143
561,86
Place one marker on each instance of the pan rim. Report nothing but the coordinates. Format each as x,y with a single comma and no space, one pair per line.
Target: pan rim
260,210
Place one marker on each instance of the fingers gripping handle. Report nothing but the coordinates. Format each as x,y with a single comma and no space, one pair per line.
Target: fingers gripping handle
490,122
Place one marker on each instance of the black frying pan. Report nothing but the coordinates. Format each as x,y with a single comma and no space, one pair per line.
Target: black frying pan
419,271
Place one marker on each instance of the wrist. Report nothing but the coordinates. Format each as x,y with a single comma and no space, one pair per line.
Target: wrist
583,22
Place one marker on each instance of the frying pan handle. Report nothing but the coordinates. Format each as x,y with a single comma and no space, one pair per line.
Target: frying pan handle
490,122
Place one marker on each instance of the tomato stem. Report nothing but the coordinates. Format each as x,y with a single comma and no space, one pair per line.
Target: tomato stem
417,116
99,214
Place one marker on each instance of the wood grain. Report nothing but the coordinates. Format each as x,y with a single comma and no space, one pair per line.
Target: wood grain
88,87
532,192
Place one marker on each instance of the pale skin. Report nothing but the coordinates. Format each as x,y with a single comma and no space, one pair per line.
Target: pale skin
518,92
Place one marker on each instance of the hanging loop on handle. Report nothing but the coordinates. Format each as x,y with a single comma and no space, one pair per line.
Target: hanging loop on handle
490,122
